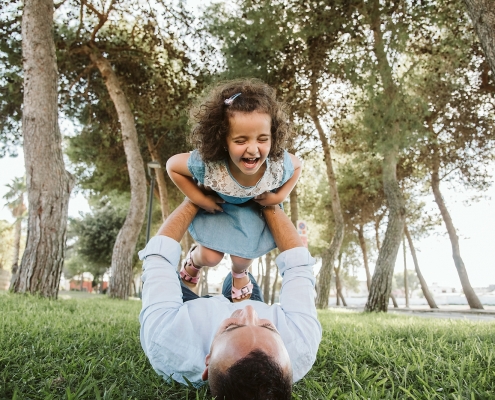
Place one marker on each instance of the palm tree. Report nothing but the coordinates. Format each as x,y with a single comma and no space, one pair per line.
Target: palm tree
15,202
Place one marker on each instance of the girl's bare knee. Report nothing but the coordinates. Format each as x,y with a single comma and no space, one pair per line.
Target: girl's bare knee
240,264
208,257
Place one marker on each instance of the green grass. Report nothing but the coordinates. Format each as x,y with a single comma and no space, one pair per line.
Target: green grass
88,348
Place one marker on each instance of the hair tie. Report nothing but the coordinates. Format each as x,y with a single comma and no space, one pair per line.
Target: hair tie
231,99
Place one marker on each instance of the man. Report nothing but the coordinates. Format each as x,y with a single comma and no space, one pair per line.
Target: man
246,350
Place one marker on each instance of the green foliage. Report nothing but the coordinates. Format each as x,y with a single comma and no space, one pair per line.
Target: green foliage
412,281
314,204
94,235
158,80
6,244
451,79
89,349
15,197
11,80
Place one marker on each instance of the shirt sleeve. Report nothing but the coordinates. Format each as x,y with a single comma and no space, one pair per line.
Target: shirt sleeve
297,299
162,294
288,168
196,166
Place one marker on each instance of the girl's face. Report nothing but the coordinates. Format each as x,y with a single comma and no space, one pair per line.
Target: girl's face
249,142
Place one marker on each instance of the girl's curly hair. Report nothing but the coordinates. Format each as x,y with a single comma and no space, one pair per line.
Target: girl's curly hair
211,117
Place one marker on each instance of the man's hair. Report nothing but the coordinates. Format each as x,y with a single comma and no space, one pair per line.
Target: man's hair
254,377
211,117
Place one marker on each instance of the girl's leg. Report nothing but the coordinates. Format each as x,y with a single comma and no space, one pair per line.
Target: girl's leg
206,257
240,277
197,258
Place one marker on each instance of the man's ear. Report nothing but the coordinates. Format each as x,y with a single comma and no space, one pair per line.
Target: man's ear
204,376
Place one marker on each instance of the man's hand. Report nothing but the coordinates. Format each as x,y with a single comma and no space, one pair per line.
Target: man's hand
268,199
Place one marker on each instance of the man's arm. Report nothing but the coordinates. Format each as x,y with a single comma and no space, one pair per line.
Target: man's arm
282,229
162,294
297,296
176,224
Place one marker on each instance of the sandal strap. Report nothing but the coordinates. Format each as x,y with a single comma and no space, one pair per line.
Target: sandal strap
245,290
188,278
240,274
189,263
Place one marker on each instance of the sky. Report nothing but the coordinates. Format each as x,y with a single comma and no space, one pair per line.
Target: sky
475,225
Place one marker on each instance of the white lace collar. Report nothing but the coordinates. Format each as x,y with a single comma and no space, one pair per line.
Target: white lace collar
219,178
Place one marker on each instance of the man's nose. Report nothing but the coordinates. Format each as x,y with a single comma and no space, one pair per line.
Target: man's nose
249,316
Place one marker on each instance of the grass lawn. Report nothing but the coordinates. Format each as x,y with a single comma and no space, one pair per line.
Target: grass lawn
88,348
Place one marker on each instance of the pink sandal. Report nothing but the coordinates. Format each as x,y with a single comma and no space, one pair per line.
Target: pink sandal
245,290
185,276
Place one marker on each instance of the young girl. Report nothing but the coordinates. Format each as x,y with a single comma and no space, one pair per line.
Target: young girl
239,136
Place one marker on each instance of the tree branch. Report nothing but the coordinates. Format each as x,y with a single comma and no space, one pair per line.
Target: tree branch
84,72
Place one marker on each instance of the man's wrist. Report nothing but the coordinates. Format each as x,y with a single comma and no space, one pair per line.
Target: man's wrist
269,209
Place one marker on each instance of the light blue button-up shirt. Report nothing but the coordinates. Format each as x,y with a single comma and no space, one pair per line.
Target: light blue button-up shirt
176,336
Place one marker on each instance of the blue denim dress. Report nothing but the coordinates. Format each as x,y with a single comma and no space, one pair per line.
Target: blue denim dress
239,230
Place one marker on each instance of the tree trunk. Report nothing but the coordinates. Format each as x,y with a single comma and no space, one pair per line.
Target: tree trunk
406,286
378,220
378,246
274,288
123,251
424,287
294,209
381,284
362,243
204,284
160,179
186,244
325,275
18,213
266,281
482,13
261,273
338,284
471,297
48,183
17,242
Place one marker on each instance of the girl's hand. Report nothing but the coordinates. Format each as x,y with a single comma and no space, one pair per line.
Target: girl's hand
210,203
267,199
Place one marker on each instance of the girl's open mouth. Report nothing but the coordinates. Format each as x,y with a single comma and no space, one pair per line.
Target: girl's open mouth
250,162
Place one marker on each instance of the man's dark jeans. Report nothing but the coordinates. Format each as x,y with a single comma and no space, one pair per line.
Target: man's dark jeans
188,294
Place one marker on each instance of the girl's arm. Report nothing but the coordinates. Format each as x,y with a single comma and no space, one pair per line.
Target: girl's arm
270,198
182,177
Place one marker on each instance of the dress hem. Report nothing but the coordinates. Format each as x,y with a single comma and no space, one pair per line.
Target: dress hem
223,250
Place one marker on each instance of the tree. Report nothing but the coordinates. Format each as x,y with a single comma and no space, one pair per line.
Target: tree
389,99
121,267
424,287
482,14
412,281
148,55
266,279
15,198
6,241
459,141
362,195
49,185
95,234
11,90
295,61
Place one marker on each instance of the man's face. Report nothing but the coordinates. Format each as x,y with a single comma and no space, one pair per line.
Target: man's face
239,335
